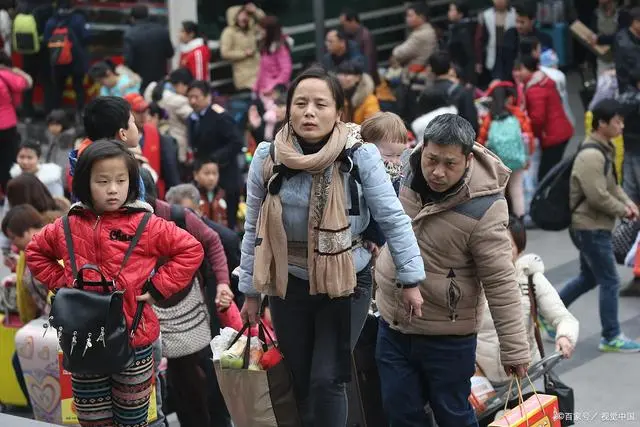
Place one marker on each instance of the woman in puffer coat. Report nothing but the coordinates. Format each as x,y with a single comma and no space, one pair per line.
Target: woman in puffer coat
550,307
103,223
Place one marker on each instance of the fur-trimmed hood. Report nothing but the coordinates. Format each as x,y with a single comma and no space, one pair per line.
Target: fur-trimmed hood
365,87
48,173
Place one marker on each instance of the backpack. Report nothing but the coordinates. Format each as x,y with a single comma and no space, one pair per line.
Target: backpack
26,39
550,207
505,140
61,44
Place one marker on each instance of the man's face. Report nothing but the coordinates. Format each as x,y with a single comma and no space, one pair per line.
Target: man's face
524,25
199,101
181,88
500,4
443,165
334,45
349,27
614,128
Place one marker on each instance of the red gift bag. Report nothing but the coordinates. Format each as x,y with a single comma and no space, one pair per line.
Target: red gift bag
540,410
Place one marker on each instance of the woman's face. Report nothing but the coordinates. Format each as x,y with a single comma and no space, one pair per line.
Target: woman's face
348,81
313,111
28,160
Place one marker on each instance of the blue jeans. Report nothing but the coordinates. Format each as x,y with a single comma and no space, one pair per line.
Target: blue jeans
597,267
419,369
304,325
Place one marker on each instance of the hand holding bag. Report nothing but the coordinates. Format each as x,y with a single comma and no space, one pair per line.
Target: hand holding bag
91,326
258,398
552,383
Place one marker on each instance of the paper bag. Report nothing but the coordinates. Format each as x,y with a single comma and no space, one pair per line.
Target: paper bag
481,391
584,35
540,410
69,415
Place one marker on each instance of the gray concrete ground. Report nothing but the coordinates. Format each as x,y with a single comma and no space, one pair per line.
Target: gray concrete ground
605,385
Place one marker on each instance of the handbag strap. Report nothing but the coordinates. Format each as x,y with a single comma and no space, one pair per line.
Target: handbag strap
534,315
72,253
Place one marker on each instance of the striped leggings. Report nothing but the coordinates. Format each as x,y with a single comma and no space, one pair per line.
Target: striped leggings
117,400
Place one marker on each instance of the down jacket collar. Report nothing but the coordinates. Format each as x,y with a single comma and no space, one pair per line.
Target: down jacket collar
486,175
364,88
81,209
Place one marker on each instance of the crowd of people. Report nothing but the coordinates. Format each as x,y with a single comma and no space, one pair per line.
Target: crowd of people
409,185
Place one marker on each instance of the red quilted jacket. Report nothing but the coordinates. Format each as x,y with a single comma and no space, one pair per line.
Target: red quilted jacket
103,241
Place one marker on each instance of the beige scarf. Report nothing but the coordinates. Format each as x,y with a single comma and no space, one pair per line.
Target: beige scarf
329,261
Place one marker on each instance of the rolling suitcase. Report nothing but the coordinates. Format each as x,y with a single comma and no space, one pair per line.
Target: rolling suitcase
38,357
10,392
365,400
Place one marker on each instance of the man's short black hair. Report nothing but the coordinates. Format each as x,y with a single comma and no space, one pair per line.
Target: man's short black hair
604,111
350,14
462,7
420,8
105,116
527,61
181,75
440,63
140,11
31,144
202,86
526,9
450,129
100,150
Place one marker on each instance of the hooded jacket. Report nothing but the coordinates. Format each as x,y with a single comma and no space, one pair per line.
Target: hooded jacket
466,250
49,174
363,103
550,307
195,57
102,240
235,42
275,67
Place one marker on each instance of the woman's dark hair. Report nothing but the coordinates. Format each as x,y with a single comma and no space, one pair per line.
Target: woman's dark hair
150,189
272,32
31,144
191,27
498,108
156,110
21,219
518,232
316,72
180,75
101,150
527,61
27,189
350,67
59,116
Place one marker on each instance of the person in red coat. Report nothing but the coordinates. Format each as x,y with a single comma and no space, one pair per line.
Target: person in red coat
194,52
549,121
106,181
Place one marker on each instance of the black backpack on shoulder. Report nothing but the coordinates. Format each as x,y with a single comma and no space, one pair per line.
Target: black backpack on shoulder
550,207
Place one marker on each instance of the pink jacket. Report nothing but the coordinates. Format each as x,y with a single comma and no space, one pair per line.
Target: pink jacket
275,68
11,87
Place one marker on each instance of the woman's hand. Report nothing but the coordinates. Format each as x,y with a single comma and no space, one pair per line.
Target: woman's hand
249,312
564,346
224,296
146,297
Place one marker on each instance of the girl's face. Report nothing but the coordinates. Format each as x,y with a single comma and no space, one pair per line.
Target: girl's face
55,129
28,160
208,176
109,184
110,80
313,112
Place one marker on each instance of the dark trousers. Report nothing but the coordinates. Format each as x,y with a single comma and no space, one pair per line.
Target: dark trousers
419,369
9,140
309,345
194,391
550,157
60,74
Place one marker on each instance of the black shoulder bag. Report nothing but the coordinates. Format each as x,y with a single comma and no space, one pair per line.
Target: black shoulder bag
91,326
552,384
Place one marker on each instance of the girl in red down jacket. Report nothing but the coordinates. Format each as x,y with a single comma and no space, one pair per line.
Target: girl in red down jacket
102,225
194,52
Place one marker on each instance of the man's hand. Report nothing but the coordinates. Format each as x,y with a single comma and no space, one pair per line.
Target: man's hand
632,211
412,300
519,370
146,297
564,346
372,248
224,296
249,52
249,312
594,39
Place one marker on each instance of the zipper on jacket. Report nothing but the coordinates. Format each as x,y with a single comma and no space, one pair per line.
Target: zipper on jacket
96,223
96,236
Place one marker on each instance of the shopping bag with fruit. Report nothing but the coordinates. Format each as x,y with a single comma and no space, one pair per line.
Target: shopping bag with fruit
255,382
